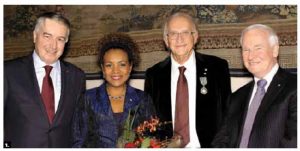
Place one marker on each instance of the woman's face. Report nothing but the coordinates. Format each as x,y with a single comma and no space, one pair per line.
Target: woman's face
116,67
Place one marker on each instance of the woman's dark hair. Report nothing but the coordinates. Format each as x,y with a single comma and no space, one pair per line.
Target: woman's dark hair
119,41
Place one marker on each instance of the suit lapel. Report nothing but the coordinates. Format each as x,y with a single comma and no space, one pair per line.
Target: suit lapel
274,89
164,78
276,86
64,88
102,97
131,102
32,79
131,99
202,71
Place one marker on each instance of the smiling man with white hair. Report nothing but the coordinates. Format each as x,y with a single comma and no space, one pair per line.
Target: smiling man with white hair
263,113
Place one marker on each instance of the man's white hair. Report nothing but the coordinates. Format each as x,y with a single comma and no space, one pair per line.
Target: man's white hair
273,38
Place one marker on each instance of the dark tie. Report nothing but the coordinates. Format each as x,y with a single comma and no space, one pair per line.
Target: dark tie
251,113
182,108
48,93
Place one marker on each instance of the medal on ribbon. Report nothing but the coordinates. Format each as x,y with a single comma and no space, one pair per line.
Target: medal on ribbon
203,81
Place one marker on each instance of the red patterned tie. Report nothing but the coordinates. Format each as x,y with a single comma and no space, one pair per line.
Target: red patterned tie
182,108
48,93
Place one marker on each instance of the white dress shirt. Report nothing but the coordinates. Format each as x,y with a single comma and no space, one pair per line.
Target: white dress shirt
55,75
268,77
190,74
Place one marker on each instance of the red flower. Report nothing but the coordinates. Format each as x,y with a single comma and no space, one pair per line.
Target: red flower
138,141
145,132
154,143
155,146
130,145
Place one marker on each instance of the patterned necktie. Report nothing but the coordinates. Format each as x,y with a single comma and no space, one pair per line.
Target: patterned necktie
251,113
182,108
48,93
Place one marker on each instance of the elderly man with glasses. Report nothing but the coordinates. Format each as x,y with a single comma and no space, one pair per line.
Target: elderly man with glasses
188,88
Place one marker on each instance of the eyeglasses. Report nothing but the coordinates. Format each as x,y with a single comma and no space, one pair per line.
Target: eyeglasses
174,35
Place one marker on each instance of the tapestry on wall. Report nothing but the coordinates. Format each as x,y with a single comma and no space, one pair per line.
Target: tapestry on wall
219,27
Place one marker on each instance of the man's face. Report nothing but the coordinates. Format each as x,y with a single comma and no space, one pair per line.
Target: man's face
50,39
258,55
184,37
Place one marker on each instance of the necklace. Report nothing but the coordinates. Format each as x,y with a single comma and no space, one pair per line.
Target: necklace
116,97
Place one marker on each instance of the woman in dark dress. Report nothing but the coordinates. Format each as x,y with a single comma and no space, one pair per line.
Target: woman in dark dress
99,118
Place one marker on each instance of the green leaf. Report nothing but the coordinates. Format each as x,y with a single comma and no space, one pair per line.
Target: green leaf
146,143
127,136
133,118
127,122
130,135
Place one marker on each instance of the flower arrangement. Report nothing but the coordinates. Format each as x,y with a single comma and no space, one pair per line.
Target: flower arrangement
146,135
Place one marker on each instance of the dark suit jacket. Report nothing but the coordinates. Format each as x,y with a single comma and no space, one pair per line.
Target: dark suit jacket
210,108
275,124
25,118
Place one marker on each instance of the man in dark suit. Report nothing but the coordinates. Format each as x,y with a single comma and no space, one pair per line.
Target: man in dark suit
207,78
37,108
270,122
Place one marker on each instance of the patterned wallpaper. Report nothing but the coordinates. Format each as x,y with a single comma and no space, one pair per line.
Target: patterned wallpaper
136,18
219,27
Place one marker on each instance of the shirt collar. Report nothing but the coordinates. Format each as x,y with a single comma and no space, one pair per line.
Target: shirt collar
188,64
38,63
269,76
